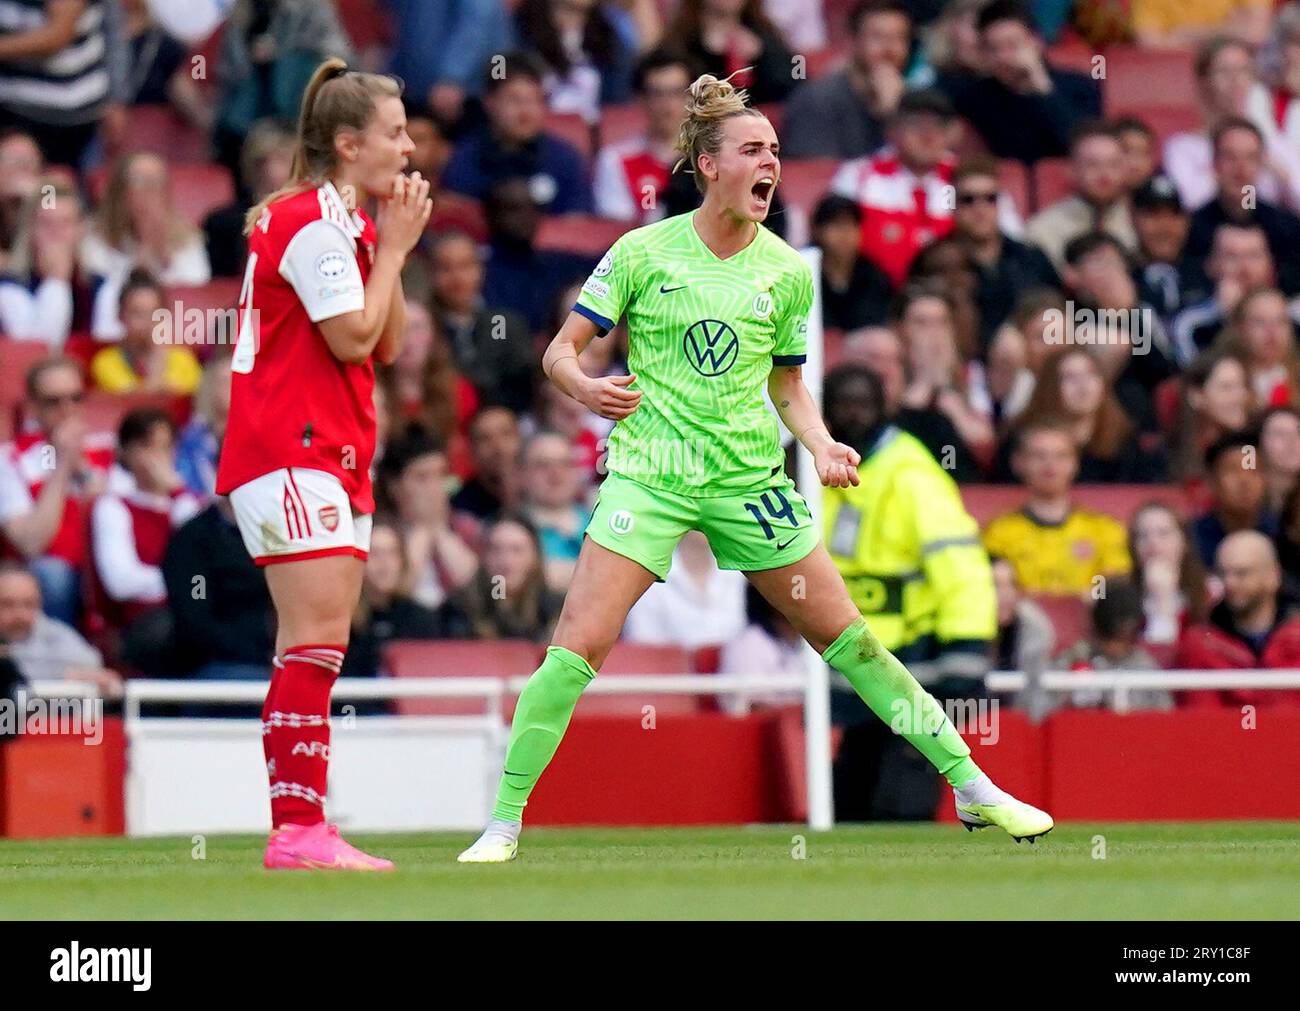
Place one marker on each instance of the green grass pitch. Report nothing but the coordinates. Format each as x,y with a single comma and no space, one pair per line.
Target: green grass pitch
1224,870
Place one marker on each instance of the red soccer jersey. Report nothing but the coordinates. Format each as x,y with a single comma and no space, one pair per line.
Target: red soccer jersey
292,403
901,211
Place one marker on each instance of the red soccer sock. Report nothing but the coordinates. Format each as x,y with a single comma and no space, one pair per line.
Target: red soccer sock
298,733
267,708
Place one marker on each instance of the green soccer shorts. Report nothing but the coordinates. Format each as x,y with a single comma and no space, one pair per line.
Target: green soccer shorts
761,529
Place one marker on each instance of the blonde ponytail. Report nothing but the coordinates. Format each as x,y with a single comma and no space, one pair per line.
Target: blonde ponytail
335,98
713,101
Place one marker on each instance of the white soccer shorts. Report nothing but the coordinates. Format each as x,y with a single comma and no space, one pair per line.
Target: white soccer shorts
296,513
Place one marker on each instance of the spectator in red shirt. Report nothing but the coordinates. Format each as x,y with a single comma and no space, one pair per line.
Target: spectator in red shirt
130,527
631,175
47,474
905,190
1254,626
1263,334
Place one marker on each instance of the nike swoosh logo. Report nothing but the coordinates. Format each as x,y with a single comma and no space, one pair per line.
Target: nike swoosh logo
782,545
665,291
507,772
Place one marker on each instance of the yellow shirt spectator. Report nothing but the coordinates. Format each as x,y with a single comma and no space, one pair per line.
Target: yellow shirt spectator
1189,21
1060,557
112,372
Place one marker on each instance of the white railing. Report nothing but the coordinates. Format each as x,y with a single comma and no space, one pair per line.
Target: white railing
494,690
148,812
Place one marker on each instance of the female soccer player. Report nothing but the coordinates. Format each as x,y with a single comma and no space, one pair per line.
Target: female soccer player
716,306
322,298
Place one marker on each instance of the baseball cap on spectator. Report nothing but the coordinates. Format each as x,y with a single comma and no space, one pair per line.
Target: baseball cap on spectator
1158,192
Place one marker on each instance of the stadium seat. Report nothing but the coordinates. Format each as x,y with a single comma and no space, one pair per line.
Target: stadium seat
16,357
197,190
464,658
824,61
640,658
1139,78
160,129
579,233
1014,179
837,12
572,129
986,501
1051,182
621,122
1167,398
805,181
455,212
1070,617
367,24
706,659
105,411
775,112
1072,53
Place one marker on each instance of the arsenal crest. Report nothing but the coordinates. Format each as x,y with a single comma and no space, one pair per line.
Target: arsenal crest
329,517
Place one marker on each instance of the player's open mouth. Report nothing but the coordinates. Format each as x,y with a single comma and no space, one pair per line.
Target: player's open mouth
762,190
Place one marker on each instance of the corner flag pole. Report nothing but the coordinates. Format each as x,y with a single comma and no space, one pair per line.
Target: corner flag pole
817,697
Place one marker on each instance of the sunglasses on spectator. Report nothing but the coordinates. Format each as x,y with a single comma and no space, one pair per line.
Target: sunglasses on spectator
966,199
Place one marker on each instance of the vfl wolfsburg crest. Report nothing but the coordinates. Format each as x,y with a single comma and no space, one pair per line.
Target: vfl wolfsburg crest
711,347
763,304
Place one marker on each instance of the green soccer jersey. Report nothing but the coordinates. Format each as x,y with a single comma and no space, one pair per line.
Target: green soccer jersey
703,336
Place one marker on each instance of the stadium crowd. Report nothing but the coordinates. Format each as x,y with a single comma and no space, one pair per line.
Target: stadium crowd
1060,240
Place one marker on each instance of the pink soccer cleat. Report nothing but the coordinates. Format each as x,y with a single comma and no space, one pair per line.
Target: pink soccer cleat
317,847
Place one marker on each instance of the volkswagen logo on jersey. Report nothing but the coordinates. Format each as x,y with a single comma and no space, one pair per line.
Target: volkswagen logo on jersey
711,347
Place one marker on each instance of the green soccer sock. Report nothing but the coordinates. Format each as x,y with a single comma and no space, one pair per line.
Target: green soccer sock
541,717
890,691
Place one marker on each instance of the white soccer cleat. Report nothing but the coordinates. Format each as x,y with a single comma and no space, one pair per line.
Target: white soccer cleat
499,844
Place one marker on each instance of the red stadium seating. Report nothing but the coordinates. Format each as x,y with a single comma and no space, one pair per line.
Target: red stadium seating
621,122
1072,53
16,357
197,190
1069,617
805,181
579,233
1138,78
1051,182
985,501
454,212
573,129
640,658
775,112
462,658
367,24
1015,181
160,129
824,61
1168,399
105,411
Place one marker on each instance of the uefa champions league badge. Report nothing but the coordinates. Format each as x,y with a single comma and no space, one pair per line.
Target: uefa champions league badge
763,304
